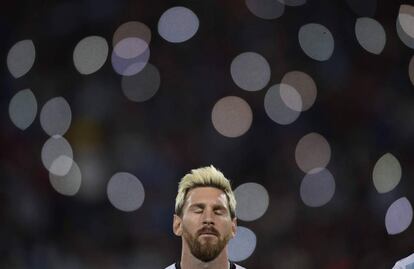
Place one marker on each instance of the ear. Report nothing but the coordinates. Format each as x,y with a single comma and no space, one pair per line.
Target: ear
177,228
233,227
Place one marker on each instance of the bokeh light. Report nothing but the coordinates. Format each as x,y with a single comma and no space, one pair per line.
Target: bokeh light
293,3
178,24
406,19
370,35
56,116
57,155
266,9
276,108
125,192
130,47
399,216
366,8
130,67
406,263
304,85
68,184
23,109
316,41
132,29
407,40
386,173
232,116
411,70
291,97
61,165
242,245
142,86
317,187
250,71
90,54
252,201
21,58
312,151
404,25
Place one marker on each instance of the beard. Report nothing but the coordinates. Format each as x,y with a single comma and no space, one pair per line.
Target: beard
209,249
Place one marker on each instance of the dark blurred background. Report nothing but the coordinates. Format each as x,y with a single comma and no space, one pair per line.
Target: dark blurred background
364,108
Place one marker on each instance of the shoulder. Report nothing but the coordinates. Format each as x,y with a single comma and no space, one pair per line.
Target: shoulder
405,263
172,266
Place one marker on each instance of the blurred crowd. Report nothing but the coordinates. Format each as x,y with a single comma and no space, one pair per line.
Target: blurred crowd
364,108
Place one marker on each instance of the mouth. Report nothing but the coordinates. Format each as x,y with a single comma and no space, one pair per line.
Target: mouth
208,237
208,233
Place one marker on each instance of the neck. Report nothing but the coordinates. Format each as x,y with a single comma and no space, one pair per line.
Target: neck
188,261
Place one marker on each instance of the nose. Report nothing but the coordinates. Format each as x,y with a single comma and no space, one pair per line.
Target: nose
208,217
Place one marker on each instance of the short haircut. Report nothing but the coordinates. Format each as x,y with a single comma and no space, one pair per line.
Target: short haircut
207,176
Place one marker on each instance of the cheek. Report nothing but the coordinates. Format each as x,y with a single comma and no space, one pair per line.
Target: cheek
189,225
227,228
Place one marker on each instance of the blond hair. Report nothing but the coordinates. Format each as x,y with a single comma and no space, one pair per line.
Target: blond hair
207,176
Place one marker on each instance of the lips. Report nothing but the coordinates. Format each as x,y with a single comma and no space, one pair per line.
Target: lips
208,234
208,231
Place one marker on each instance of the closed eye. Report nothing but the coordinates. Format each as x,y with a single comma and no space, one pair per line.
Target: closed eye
198,210
219,211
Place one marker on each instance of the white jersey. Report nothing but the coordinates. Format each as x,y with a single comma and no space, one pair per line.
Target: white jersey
232,266
406,263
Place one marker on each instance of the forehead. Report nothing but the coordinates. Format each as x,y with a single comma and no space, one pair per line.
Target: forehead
206,195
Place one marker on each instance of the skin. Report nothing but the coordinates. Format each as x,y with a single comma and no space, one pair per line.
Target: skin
206,222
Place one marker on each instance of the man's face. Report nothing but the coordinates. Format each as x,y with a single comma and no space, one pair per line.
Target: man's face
206,224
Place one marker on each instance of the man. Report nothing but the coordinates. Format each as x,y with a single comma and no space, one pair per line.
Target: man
406,263
205,219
